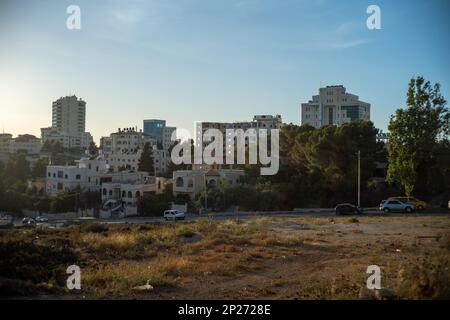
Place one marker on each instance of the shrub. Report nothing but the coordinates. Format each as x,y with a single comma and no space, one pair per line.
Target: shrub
186,232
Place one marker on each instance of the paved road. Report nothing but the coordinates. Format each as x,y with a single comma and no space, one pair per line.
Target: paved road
217,216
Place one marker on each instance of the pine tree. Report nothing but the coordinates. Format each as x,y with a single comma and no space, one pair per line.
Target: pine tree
146,160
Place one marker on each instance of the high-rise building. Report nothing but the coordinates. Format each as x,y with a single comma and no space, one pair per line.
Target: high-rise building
68,123
155,129
334,106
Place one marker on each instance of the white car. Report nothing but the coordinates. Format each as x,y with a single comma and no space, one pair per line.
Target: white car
41,219
174,215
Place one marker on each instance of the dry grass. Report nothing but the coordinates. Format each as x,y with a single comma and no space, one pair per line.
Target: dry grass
292,258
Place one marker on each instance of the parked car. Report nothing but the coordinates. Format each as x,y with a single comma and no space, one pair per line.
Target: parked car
396,206
347,208
174,215
28,221
420,205
41,219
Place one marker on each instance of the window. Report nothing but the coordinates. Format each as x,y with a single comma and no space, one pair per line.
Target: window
104,192
78,177
179,182
110,193
130,195
124,194
49,174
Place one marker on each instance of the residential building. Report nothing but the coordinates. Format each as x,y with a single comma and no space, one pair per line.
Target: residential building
129,192
5,141
123,148
158,130
68,123
25,142
167,138
259,122
194,181
86,174
334,106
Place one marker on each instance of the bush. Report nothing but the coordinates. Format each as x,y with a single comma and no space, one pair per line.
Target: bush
186,232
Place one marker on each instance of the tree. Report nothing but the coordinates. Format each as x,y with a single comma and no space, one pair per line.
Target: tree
17,168
39,168
52,146
146,160
93,149
416,132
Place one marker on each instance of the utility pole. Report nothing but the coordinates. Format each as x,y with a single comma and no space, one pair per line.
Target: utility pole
206,196
359,178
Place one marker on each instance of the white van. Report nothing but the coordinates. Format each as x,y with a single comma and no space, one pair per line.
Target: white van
174,215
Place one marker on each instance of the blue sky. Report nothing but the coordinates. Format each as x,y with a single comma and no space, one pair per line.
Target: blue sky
192,60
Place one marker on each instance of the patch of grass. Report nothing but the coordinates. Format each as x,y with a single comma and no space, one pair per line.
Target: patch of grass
186,232
123,276
426,279
353,220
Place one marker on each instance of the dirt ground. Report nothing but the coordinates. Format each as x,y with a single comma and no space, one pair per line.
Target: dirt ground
332,260
261,258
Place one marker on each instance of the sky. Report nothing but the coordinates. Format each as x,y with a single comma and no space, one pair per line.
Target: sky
212,60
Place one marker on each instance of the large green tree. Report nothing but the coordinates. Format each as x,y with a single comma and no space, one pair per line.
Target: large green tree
17,168
416,133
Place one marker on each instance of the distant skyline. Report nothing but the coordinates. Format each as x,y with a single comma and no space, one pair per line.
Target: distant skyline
196,60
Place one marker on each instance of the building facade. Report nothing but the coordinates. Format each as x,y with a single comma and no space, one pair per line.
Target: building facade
155,128
195,181
123,148
86,174
68,123
259,122
24,142
334,106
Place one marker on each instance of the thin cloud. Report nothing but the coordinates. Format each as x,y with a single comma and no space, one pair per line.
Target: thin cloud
345,44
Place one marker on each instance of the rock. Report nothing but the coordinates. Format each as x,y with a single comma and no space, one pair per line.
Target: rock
376,294
145,287
384,294
366,294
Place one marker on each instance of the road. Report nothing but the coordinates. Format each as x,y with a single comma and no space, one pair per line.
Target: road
57,224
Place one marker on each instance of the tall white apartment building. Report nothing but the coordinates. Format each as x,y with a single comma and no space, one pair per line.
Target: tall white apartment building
68,123
334,106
